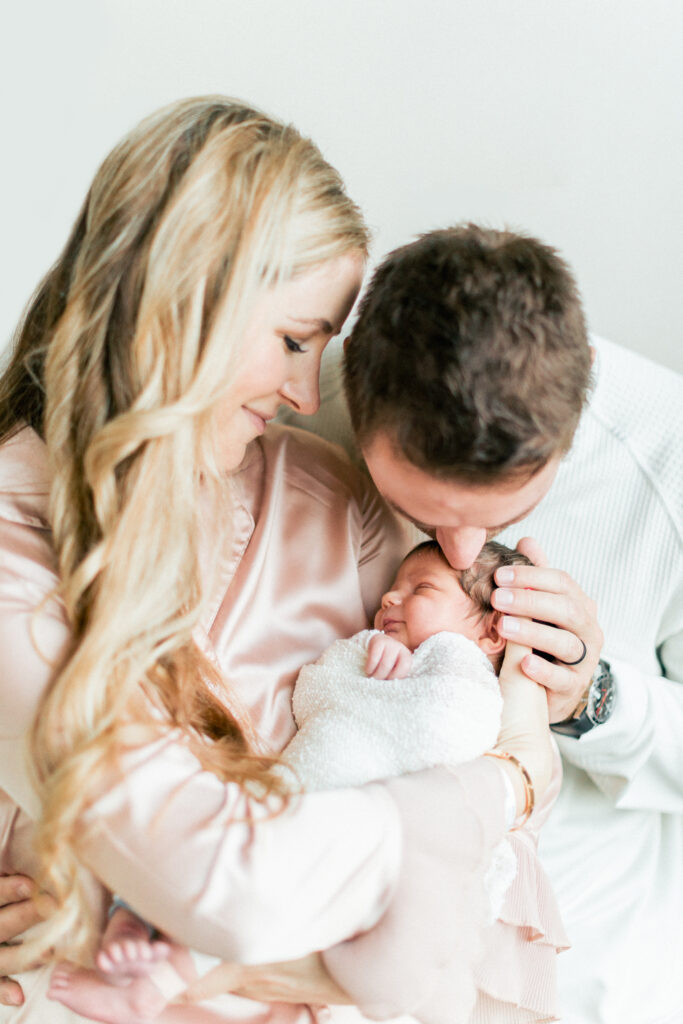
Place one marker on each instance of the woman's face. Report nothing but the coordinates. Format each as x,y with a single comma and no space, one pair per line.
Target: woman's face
284,341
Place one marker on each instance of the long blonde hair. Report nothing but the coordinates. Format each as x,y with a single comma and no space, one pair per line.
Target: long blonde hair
117,366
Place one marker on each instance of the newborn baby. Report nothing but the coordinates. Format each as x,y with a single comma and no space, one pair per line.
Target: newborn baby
436,639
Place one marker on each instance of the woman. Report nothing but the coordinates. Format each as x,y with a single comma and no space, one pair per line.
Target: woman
159,590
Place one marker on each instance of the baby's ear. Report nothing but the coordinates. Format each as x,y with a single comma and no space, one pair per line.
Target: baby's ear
490,640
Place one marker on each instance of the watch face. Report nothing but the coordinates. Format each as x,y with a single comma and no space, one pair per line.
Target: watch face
601,699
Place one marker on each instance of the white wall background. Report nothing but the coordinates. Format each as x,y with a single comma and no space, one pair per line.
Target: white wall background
564,117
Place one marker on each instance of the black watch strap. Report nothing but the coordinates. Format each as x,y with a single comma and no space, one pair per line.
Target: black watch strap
594,708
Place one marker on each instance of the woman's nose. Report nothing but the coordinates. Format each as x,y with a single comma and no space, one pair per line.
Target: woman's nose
303,392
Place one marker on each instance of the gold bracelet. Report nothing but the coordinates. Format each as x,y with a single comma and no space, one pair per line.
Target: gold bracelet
529,793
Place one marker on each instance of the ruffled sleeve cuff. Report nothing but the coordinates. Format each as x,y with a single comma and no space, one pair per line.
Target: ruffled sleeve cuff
516,976
421,957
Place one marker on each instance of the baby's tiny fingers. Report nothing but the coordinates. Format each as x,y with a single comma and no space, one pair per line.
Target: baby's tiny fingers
376,648
401,667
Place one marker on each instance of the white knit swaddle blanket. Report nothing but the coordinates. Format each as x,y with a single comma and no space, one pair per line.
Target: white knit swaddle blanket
354,729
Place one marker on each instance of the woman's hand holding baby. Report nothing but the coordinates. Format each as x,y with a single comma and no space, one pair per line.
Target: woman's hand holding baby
387,658
20,907
524,730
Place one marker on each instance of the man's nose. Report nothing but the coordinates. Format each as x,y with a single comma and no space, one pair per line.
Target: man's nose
461,545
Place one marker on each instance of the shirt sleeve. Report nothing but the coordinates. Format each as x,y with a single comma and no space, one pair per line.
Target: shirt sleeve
232,876
636,756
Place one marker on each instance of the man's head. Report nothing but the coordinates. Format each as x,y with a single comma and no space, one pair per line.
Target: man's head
429,596
466,373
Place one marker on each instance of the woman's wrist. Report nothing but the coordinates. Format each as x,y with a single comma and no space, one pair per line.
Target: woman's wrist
519,787
525,733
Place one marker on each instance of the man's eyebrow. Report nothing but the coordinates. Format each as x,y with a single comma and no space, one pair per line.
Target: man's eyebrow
416,522
319,322
489,529
511,522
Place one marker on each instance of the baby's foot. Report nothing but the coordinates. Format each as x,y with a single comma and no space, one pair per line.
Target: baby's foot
88,994
130,958
127,950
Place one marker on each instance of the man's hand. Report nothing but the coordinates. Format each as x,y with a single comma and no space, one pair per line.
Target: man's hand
18,911
387,658
567,619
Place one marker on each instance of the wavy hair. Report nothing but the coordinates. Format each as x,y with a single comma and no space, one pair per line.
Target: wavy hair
118,367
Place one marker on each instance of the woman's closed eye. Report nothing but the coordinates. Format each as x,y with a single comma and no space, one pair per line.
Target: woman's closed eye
291,344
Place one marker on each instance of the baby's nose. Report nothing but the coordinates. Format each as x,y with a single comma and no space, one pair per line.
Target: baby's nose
391,597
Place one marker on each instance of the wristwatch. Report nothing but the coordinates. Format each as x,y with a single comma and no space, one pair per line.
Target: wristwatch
595,706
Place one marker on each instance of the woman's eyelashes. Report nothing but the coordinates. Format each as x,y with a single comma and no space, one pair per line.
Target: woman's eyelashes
292,345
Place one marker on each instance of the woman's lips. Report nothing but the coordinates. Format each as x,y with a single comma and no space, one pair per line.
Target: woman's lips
258,421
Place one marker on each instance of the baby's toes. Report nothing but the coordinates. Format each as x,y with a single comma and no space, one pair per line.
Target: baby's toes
61,977
115,953
104,962
159,951
133,951
143,951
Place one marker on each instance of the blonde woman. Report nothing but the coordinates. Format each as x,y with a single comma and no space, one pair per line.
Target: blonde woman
167,563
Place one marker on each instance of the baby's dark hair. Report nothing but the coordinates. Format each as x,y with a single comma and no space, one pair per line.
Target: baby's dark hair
477,581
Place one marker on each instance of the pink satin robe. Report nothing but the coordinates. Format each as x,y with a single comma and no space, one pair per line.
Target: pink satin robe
388,878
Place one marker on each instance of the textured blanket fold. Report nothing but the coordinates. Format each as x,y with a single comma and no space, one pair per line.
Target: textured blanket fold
355,729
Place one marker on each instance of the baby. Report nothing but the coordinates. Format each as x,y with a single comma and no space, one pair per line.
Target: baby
436,639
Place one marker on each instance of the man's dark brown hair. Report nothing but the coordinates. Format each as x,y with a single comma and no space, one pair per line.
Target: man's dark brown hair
471,353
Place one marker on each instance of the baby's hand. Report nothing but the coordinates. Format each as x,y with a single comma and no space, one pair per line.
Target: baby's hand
387,658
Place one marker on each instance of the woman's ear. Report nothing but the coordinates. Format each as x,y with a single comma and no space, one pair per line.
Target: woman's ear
490,640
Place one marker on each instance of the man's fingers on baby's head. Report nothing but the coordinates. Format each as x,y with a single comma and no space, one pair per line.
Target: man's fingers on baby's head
533,550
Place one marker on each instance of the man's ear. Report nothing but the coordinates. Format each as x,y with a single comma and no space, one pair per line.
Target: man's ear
490,640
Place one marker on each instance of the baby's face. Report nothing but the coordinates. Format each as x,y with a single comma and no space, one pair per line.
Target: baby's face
426,598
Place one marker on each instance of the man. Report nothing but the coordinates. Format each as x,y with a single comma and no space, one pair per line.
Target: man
466,375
